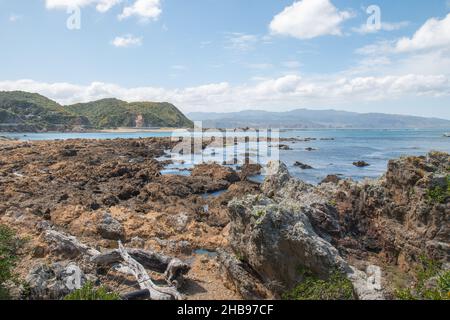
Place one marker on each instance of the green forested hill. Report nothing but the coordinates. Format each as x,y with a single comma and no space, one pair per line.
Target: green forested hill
117,113
33,112
24,111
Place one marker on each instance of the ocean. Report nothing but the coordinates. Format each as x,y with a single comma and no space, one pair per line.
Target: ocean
332,151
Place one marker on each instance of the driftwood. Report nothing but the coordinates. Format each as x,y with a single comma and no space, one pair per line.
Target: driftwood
144,280
132,261
136,295
174,269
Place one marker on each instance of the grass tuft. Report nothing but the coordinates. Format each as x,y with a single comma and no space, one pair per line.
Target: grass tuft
89,292
336,287
432,283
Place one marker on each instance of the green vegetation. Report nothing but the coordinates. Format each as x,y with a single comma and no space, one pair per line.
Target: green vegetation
259,213
337,287
33,112
439,194
89,292
112,113
432,283
9,244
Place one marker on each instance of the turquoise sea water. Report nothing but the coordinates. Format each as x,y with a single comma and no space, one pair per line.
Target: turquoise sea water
328,157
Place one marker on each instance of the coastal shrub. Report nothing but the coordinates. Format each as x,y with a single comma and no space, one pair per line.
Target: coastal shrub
9,244
432,283
89,292
336,287
439,194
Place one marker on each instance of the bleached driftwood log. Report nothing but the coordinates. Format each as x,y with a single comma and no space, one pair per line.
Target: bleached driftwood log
144,280
174,269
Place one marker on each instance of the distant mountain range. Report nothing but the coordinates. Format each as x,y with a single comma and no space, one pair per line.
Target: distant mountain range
304,118
31,112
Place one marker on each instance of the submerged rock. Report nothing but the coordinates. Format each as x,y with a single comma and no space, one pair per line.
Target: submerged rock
302,165
360,164
284,147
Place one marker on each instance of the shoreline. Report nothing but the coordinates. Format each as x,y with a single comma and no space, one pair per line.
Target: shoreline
104,191
168,129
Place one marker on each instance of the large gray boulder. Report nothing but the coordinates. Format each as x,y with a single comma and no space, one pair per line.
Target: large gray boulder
289,227
278,240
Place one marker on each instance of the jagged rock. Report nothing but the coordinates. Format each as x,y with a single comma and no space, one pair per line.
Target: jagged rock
360,164
249,170
242,280
395,216
111,229
331,178
55,281
276,240
110,200
284,147
39,252
69,153
215,172
179,222
128,192
43,225
277,174
137,242
302,165
293,229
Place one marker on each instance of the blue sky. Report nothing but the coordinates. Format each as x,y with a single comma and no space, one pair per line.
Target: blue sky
228,55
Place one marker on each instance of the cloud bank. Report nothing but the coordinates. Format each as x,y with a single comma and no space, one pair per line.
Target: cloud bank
284,92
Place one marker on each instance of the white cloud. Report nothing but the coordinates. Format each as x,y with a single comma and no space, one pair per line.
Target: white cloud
308,19
241,41
105,5
127,41
385,26
290,91
143,9
434,33
101,5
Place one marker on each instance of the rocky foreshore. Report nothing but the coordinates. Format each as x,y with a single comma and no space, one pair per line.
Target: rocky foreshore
76,201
